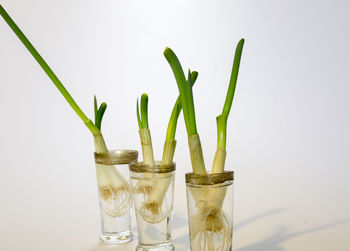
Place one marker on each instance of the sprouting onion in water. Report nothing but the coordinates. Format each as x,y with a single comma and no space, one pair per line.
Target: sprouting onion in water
145,134
209,220
112,185
155,190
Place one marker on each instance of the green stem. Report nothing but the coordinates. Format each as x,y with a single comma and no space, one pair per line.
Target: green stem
138,114
185,89
48,71
144,110
171,131
221,120
95,107
221,124
142,117
186,98
233,80
99,115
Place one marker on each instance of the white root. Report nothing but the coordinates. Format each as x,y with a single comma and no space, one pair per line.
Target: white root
114,190
209,227
155,208
152,209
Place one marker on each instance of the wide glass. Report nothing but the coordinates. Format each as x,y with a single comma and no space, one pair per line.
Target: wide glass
114,193
210,211
153,194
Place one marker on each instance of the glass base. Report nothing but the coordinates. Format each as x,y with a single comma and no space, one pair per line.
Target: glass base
116,238
159,247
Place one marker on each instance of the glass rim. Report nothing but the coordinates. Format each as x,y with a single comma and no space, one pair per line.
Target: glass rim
158,167
115,157
209,178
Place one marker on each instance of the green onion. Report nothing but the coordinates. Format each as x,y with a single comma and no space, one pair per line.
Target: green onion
186,97
210,219
221,120
156,190
145,133
108,178
49,72
170,142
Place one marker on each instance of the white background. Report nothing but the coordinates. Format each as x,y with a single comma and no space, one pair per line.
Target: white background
288,133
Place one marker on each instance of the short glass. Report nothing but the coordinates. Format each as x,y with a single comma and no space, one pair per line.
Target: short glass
114,193
210,211
153,194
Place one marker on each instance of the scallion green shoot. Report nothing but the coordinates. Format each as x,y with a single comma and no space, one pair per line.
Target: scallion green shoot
155,191
99,113
221,120
145,133
209,222
186,97
108,178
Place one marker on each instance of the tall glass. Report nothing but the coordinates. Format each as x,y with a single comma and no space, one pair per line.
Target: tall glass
114,193
210,211
153,194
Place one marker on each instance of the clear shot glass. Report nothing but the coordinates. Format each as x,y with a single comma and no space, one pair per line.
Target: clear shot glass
153,194
210,211
114,193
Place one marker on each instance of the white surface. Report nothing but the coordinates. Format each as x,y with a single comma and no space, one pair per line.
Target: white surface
288,138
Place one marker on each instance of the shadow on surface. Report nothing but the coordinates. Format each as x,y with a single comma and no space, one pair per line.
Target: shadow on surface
182,222
271,243
179,221
281,235
99,246
255,218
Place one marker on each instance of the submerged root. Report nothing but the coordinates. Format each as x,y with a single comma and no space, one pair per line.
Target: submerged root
151,204
152,212
151,207
210,229
143,189
115,201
